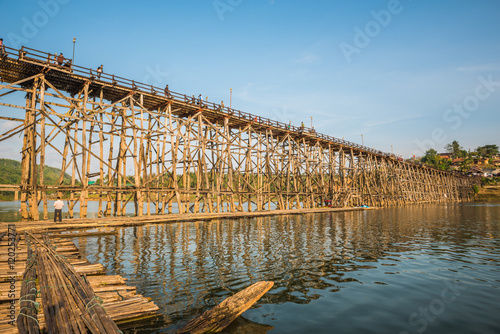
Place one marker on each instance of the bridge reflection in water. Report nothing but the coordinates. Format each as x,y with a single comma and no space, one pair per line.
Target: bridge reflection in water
121,141
377,265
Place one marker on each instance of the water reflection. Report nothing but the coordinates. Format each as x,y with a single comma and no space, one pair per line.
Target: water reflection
395,257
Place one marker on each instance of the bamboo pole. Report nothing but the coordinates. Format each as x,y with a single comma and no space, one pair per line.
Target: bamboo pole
85,155
100,212
42,151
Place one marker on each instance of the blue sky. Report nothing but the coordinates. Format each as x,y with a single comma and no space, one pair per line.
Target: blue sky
411,74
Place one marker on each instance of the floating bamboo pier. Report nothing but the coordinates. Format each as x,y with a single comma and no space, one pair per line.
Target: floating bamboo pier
121,141
46,285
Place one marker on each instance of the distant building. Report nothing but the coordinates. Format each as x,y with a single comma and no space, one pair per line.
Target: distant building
475,171
445,155
455,164
483,161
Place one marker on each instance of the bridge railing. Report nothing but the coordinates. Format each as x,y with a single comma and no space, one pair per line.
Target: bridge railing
50,61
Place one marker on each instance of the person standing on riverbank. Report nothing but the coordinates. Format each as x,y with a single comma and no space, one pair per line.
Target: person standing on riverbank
58,205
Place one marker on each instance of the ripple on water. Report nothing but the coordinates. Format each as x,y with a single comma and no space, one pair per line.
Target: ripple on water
371,272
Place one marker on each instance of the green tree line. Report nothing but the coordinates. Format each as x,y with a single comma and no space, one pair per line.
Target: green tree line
10,173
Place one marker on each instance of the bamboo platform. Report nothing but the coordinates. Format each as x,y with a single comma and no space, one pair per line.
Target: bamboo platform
120,301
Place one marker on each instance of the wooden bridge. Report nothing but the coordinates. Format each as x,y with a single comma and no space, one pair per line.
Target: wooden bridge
121,141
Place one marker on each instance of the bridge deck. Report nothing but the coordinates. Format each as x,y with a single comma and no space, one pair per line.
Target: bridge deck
18,65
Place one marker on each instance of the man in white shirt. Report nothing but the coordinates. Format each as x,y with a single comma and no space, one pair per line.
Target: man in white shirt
58,205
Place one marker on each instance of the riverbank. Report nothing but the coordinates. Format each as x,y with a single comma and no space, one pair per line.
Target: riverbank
489,192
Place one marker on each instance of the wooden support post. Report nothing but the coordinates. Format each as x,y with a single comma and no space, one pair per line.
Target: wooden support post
100,212
112,177
26,162
42,151
138,155
84,171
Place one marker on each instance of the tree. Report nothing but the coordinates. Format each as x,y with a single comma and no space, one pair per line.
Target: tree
487,150
454,149
430,157
443,164
466,164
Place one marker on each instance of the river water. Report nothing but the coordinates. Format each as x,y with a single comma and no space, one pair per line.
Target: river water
414,269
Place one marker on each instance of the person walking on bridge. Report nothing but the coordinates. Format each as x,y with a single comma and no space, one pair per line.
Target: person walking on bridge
60,59
99,72
58,206
69,65
2,47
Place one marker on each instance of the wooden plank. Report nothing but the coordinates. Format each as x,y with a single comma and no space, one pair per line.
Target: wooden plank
219,317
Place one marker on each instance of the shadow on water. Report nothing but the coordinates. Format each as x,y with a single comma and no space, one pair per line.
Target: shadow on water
240,325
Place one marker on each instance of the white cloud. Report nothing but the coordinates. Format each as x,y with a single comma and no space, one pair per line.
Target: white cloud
7,125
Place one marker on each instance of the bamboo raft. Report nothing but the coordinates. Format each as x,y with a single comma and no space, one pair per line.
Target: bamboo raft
77,294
